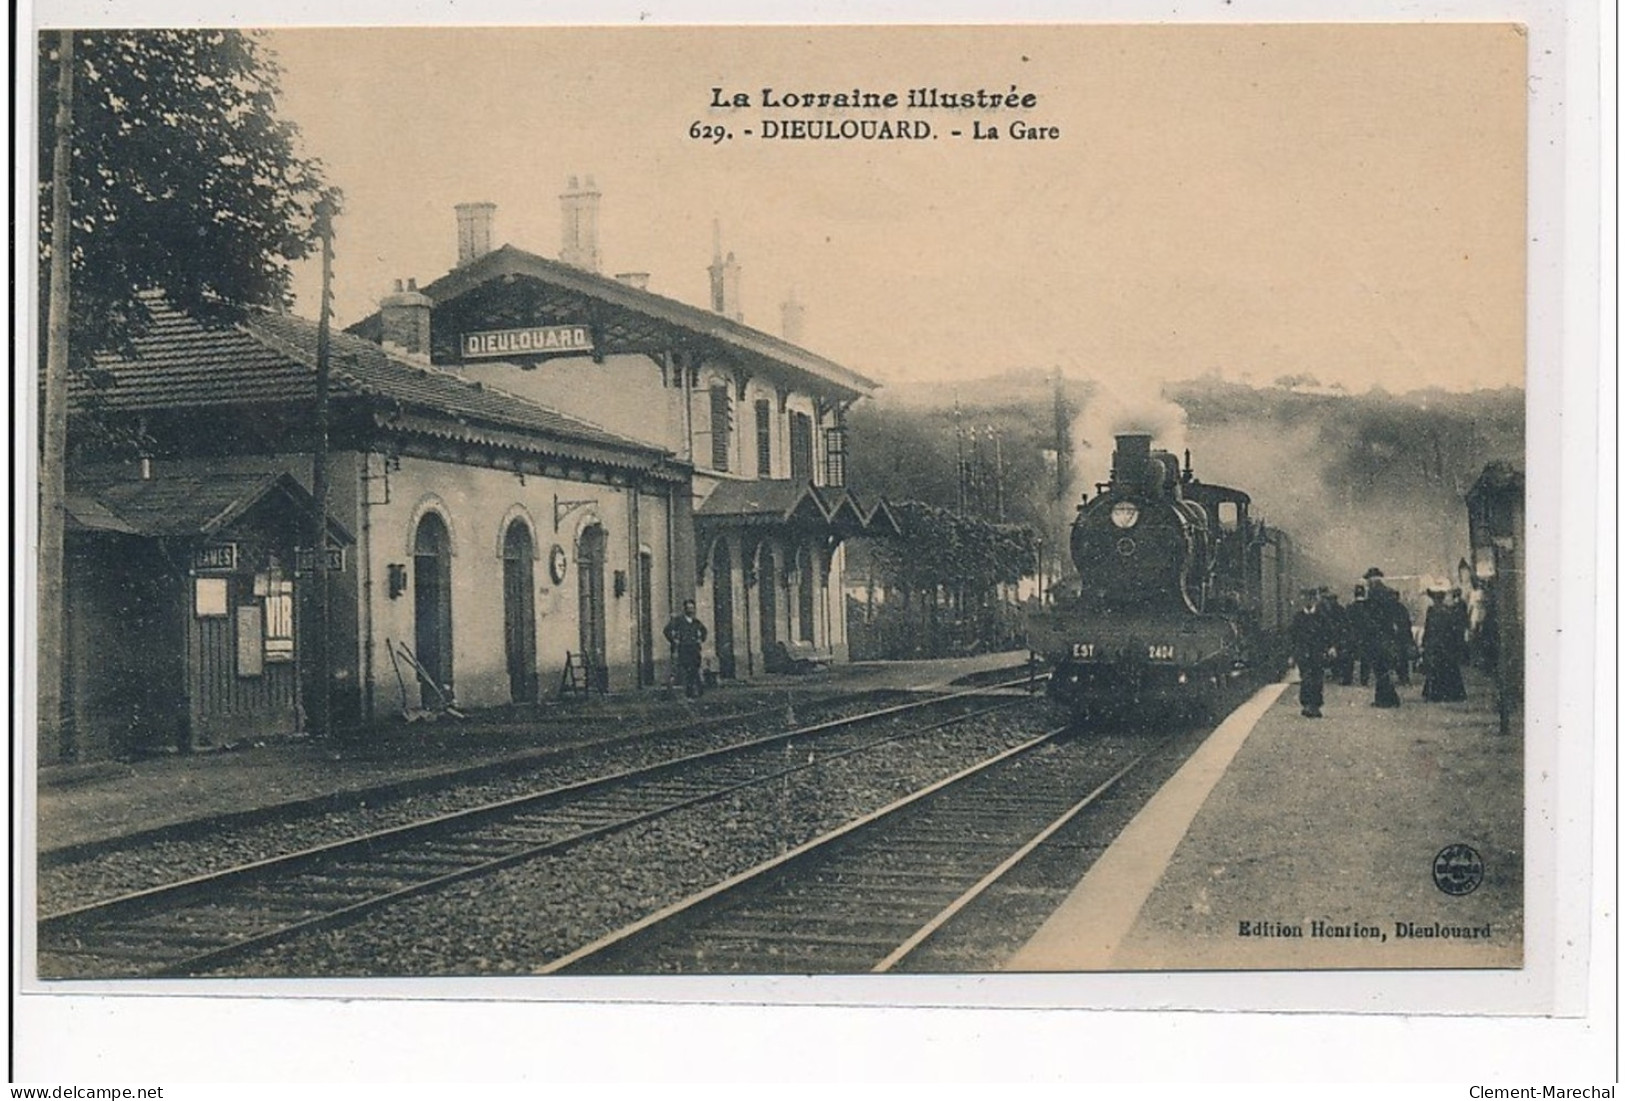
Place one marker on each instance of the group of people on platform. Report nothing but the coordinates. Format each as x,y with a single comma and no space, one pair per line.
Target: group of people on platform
1374,633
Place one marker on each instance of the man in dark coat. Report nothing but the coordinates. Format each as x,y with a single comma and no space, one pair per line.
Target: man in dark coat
1310,641
1340,625
1361,635
686,635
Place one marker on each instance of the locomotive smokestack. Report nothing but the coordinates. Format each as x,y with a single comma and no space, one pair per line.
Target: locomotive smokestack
1130,459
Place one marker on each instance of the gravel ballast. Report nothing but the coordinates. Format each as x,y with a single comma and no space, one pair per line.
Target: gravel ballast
516,920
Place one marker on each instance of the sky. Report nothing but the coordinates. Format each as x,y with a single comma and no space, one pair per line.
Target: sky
1337,200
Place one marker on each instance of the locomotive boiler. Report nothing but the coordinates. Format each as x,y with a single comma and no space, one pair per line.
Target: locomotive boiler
1182,594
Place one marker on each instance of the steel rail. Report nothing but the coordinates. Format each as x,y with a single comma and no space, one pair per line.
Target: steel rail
689,916
977,889
803,853
289,861
98,916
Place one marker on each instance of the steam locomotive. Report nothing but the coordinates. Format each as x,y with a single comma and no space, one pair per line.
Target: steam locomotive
1182,594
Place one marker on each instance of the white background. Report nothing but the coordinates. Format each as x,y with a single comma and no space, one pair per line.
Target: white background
371,1033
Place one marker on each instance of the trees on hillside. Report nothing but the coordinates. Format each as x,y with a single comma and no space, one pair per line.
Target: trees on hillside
944,575
183,178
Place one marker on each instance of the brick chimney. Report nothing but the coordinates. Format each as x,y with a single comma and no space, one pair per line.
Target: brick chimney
579,209
792,316
474,231
405,315
724,278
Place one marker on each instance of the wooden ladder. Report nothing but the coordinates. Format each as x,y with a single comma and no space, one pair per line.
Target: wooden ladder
581,676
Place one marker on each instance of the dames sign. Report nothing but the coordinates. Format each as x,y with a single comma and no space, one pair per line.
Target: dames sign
539,340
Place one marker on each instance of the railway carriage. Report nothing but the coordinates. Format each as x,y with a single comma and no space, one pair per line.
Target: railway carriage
1182,593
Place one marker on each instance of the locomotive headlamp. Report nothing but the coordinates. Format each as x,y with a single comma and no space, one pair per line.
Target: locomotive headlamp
1125,514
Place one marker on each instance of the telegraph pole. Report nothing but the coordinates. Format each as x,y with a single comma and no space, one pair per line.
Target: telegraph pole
54,426
998,472
319,711
959,458
1060,440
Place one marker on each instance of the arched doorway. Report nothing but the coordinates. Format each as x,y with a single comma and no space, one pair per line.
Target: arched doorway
805,593
722,608
646,618
431,569
767,588
519,610
590,590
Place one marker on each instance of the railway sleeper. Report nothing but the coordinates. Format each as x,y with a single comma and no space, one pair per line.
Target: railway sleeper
313,901
147,957
874,895
574,821
825,929
357,877
881,943
166,943
899,883
418,860
482,848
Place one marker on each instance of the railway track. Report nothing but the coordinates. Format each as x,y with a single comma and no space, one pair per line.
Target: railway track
868,895
642,743
208,921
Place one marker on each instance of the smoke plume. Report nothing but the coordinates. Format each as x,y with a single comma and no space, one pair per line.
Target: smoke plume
1119,406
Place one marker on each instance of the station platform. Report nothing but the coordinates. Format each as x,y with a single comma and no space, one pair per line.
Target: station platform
1294,843
87,804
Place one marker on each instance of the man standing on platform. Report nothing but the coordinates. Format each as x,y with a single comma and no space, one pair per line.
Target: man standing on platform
1389,624
1361,634
1339,622
686,635
1310,640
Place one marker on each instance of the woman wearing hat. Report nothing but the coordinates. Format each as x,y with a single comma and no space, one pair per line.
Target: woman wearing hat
1390,636
1443,649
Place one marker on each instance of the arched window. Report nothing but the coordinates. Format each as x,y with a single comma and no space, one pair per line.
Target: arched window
721,426
431,602
806,590
590,595
519,610
722,607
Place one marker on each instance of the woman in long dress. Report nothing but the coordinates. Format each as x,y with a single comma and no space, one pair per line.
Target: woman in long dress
1443,643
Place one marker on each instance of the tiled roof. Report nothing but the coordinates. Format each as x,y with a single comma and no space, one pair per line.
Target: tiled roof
181,363
86,513
775,499
180,505
880,520
779,500
682,321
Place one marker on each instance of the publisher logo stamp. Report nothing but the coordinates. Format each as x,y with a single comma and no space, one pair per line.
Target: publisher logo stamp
1458,869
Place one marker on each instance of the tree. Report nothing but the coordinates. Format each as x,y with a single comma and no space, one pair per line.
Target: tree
952,564
163,167
183,179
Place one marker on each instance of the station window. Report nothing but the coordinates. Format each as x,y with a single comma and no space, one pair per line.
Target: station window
801,447
835,456
721,427
764,439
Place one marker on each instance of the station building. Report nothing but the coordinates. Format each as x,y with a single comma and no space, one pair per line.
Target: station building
531,466
760,420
